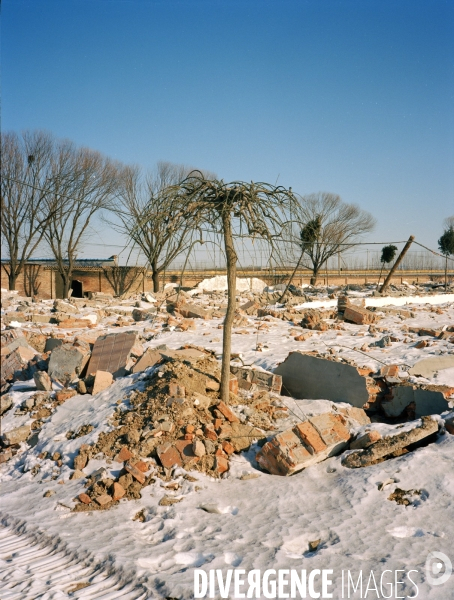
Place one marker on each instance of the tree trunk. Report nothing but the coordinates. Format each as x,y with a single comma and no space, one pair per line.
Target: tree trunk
66,285
155,277
314,276
231,304
12,278
381,271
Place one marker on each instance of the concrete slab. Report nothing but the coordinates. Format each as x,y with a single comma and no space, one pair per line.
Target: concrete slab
421,401
310,377
111,353
66,362
427,367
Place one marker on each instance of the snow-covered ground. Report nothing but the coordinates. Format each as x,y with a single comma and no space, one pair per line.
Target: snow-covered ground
259,521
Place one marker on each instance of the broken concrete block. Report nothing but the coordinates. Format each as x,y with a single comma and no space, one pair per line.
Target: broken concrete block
306,444
16,436
6,402
198,448
103,380
421,401
357,416
390,444
42,381
150,358
13,367
142,314
66,362
103,499
251,308
64,307
192,311
19,342
358,315
427,367
201,401
311,377
52,343
253,379
112,352
365,440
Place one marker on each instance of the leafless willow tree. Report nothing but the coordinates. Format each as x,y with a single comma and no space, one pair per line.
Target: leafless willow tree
26,183
84,183
237,209
122,279
151,215
338,227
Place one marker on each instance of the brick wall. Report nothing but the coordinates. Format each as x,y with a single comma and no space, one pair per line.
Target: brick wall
49,284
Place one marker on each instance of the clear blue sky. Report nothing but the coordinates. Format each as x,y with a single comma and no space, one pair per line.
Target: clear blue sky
354,97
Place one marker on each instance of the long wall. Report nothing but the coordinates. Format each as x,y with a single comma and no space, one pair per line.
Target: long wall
50,285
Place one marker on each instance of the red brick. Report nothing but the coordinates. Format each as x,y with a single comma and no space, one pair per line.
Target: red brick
169,456
228,448
103,499
141,465
188,436
222,464
84,498
64,395
233,385
123,455
136,473
184,447
310,436
210,434
190,428
118,491
227,412
218,423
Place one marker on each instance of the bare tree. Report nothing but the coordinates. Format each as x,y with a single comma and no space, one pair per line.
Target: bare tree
122,279
339,226
84,183
31,279
152,216
26,184
254,210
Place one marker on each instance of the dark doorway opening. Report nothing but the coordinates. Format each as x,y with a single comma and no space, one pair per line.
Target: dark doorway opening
77,288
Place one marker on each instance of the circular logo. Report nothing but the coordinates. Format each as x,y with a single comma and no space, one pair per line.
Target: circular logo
438,568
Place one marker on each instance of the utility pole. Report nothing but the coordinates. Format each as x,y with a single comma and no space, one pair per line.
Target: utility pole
397,263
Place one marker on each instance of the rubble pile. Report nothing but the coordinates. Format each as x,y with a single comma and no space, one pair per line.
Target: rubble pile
177,421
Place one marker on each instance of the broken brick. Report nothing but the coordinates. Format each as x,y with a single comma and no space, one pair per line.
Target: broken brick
65,394
227,412
103,499
221,464
169,456
84,498
358,315
118,491
123,455
136,473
